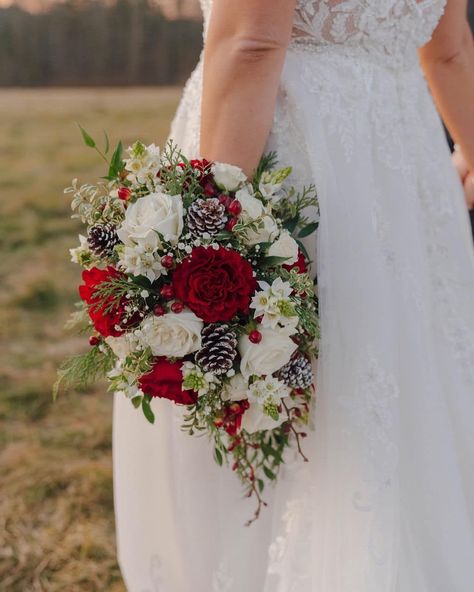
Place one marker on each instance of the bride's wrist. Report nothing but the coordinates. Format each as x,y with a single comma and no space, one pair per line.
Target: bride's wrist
462,163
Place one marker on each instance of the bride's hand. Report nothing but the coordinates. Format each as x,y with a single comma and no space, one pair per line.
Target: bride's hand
466,176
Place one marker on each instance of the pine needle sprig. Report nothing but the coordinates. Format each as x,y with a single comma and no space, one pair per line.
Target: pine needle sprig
82,370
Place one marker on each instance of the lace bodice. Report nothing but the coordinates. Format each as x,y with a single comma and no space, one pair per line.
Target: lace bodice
389,30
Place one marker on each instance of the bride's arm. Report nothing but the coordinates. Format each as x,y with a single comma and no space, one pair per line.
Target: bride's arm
243,58
448,63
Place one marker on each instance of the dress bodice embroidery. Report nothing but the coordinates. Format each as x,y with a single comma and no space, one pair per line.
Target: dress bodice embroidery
391,29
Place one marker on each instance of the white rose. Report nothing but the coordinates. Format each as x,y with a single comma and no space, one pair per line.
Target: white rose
155,212
172,334
268,356
236,390
228,176
252,207
266,232
123,345
254,419
285,246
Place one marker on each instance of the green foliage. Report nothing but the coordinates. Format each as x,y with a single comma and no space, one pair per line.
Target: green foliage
147,410
82,370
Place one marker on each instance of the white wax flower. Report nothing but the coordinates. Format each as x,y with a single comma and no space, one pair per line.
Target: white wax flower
142,258
156,212
254,419
228,176
172,334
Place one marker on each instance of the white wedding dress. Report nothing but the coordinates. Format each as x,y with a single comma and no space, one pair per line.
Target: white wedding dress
386,503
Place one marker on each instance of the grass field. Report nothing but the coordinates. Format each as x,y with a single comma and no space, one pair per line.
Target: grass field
56,509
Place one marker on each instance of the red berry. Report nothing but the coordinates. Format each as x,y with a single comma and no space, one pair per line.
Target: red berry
177,307
94,340
159,310
225,199
167,291
167,261
255,336
235,207
218,422
124,193
231,223
235,466
235,408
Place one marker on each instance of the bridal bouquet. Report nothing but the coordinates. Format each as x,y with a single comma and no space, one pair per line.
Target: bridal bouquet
196,289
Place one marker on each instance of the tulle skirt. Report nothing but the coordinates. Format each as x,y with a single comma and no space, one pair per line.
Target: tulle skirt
386,503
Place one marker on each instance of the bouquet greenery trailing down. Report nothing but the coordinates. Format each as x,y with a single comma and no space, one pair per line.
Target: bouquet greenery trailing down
196,289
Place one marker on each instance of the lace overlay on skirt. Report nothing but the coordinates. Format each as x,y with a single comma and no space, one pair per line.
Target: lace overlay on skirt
392,447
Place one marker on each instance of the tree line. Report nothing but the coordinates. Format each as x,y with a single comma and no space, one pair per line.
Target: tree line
85,42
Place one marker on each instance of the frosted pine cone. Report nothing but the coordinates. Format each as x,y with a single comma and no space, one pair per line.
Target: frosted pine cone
297,373
218,350
102,239
206,215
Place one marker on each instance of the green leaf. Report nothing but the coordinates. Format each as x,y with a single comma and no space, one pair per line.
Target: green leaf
107,143
146,408
291,224
304,250
260,485
307,230
88,139
218,456
269,473
136,402
274,261
116,163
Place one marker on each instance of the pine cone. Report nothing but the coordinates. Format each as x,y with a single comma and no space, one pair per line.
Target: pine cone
218,350
102,239
206,215
297,373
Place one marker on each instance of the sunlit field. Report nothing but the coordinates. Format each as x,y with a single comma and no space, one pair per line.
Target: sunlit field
56,503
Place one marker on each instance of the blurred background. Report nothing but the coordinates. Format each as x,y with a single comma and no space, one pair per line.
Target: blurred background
114,65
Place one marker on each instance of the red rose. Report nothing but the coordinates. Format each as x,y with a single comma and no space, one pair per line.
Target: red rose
300,264
215,284
165,380
104,320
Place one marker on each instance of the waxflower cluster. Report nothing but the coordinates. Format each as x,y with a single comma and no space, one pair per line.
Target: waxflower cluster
196,289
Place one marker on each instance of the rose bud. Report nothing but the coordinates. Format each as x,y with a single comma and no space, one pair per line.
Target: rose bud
230,224
235,207
94,340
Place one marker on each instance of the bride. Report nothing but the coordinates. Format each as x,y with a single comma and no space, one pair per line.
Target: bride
386,503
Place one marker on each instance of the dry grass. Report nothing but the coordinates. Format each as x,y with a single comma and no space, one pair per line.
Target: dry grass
56,510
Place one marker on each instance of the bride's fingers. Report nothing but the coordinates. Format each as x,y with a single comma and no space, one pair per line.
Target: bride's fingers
469,190
460,164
